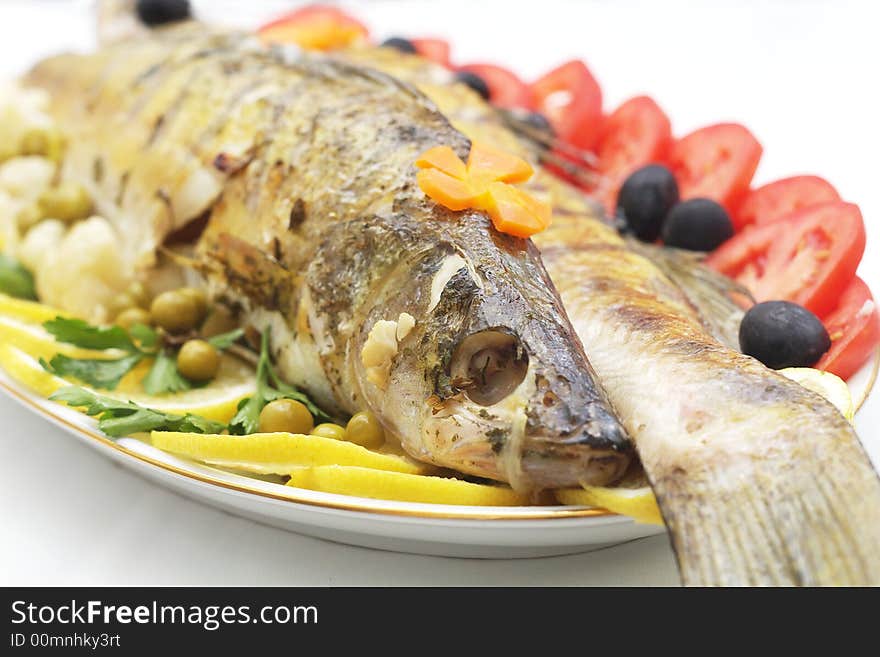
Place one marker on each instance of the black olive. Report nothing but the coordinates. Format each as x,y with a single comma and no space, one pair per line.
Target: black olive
159,12
698,224
645,199
401,44
475,82
783,334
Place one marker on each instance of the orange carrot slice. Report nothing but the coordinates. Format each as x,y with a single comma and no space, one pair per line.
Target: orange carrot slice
490,164
514,212
449,192
445,159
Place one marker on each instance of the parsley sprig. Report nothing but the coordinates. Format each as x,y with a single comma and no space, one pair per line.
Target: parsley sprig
119,418
138,343
98,372
269,388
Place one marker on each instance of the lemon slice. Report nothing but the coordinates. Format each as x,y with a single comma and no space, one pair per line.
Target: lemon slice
217,401
277,453
829,385
376,484
637,503
31,312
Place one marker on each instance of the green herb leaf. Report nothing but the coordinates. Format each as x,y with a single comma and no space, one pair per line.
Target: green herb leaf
97,372
119,418
147,337
15,280
164,377
247,418
82,334
91,403
225,340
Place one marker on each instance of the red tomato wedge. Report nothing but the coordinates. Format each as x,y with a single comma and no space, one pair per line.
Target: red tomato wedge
635,134
774,200
437,50
716,162
505,88
571,99
808,256
315,27
854,327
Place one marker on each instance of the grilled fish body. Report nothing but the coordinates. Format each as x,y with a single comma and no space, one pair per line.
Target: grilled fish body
297,176
759,480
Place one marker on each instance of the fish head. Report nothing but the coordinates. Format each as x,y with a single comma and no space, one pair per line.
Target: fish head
491,380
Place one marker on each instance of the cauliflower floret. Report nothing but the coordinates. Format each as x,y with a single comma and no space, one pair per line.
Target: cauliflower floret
9,208
27,100
21,110
84,272
40,242
25,178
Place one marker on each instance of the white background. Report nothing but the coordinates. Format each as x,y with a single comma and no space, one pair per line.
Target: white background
802,75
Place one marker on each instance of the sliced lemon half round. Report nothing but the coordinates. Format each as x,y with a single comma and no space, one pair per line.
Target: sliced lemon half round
829,385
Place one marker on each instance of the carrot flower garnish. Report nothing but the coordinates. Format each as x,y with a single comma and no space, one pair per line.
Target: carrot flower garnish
315,27
485,183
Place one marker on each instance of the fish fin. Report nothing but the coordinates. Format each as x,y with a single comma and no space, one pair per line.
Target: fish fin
250,270
708,291
806,516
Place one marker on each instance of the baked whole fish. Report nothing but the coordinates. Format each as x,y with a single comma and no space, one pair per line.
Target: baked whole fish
759,480
295,178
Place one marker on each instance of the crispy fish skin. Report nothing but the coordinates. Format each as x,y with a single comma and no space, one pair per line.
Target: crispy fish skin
300,172
760,481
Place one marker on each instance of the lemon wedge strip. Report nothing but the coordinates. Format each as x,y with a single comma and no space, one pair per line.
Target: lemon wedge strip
24,369
375,484
31,312
637,503
829,385
277,453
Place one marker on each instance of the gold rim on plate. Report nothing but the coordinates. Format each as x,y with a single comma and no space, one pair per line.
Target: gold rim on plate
872,379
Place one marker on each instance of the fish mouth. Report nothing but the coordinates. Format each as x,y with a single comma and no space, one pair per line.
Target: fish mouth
488,366
552,436
548,462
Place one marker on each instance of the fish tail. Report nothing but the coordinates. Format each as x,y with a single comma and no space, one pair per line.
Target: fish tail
810,521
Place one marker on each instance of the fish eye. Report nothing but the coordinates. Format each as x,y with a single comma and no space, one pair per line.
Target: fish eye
488,366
